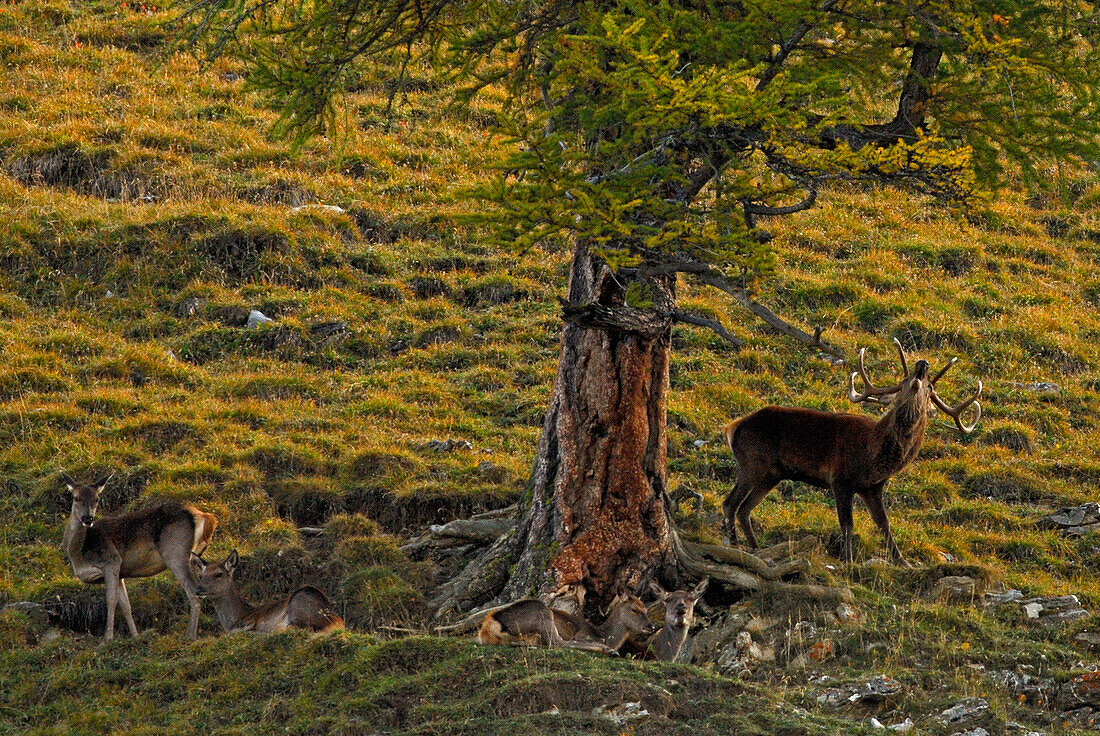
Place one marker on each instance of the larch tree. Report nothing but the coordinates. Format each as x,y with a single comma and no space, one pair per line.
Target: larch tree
660,138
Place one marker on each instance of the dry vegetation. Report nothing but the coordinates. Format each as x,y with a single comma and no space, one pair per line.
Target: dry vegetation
144,213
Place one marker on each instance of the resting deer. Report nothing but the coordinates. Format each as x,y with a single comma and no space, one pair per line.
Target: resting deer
846,453
667,643
135,545
306,608
531,622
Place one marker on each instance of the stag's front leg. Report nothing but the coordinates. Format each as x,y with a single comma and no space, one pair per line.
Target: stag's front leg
877,509
844,516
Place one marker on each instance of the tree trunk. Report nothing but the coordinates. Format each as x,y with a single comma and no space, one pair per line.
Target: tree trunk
595,511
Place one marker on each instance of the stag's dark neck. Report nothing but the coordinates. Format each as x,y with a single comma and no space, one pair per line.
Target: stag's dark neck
231,608
901,432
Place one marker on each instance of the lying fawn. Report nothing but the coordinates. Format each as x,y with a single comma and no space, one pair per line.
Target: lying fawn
135,545
679,616
849,454
531,622
305,608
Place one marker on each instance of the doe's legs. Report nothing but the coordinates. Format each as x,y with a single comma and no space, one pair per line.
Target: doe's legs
124,602
111,579
180,565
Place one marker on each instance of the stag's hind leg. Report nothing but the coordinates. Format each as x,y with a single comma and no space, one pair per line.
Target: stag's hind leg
753,491
877,509
729,506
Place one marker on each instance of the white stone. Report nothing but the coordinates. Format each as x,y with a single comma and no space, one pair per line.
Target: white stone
257,318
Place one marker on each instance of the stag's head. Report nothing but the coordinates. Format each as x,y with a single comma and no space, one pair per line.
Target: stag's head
85,498
680,604
215,581
915,392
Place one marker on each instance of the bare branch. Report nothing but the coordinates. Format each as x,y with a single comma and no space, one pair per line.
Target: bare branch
711,277
764,211
711,324
788,46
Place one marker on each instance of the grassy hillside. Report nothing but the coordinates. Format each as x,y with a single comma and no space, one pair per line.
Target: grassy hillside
144,213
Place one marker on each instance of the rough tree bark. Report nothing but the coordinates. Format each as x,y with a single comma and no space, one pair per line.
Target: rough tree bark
595,510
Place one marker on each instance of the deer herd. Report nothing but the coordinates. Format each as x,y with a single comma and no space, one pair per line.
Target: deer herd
848,454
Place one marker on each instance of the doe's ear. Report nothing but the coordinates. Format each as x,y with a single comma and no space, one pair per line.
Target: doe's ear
657,590
70,484
198,562
231,561
103,484
698,590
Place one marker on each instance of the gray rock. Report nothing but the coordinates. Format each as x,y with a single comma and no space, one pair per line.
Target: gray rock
1007,596
875,690
319,208
1081,718
1040,387
966,710
955,588
1074,520
1088,640
448,445
189,307
1052,611
979,731
1025,687
35,611
257,318
622,714
1080,691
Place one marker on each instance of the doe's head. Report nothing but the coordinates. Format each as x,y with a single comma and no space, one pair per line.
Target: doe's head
85,498
216,580
679,604
628,611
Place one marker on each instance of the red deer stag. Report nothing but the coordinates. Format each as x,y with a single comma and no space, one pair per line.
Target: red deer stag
531,622
849,454
139,544
306,608
667,643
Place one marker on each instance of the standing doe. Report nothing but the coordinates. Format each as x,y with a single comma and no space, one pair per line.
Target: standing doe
135,545
305,608
849,454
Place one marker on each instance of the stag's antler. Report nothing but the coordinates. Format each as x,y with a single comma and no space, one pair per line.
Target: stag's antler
872,394
955,412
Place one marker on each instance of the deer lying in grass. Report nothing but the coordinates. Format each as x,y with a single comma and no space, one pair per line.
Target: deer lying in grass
135,545
667,643
846,453
306,608
531,622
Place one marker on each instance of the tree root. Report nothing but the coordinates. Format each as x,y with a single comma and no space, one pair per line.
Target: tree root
485,577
